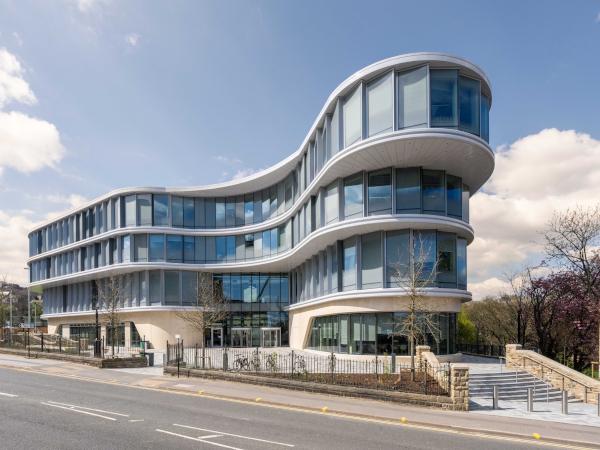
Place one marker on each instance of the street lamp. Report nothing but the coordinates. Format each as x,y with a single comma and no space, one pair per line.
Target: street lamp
28,298
177,338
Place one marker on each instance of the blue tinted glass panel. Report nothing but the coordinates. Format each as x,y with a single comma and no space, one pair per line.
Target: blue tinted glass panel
433,192
469,104
188,212
380,192
454,196
157,247
485,118
353,196
444,98
408,190
221,248
174,248
189,249
177,211
161,210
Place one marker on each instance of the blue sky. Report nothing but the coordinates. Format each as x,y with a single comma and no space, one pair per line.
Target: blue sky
189,93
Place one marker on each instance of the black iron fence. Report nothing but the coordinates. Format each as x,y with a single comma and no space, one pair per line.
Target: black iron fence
54,343
378,372
482,349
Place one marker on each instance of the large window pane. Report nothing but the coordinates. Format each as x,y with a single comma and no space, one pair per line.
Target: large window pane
485,118
157,247
220,212
465,202
446,254
371,261
230,212
144,209
248,211
380,192
397,255
125,249
130,213
174,248
177,211
155,292
349,268
221,248
140,248
335,129
469,104
433,192
424,253
444,98
380,105
408,190
332,203
461,262
352,118
454,196
172,294
412,98
353,196
188,212
189,249
189,286
161,210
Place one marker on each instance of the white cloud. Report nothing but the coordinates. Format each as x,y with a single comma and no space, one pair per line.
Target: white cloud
18,39
12,85
87,6
534,176
132,39
243,173
14,246
227,160
28,144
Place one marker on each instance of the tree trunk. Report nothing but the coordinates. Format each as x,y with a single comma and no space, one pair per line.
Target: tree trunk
412,357
203,341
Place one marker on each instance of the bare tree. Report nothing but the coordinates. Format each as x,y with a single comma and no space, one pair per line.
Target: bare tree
420,272
110,300
210,308
572,239
518,302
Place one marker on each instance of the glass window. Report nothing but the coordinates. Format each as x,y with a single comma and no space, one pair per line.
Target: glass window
220,213
130,212
200,221
155,287
230,248
369,334
140,248
454,196
380,192
266,243
485,118
230,212
353,196
335,129
144,208
465,202
177,211
412,98
209,211
210,249
371,261
126,248
349,268
257,210
434,198
248,211
424,251
380,105
332,203
174,248
161,210
172,294
408,190
189,286
240,213
446,267
221,248
461,262
397,254
189,249
469,108
189,214
444,98
157,247
352,118
200,253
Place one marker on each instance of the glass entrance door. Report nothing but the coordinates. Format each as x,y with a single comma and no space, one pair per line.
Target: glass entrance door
216,337
241,337
270,337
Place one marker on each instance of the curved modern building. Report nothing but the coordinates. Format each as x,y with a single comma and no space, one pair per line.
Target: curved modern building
305,251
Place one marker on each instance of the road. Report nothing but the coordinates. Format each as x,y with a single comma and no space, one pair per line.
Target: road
48,412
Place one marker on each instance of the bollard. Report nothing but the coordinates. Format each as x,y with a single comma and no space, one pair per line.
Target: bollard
393,362
529,400
495,398
565,402
225,361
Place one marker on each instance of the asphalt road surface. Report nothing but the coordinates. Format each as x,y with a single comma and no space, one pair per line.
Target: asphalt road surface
47,412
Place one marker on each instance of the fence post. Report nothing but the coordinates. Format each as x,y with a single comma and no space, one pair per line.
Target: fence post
565,402
79,345
28,345
42,341
495,398
529,400
425,377
168,352
292,368
393,356
332,364
59,344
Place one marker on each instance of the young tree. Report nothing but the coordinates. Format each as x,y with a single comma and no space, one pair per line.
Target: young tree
420,272
110,300
210,309
572,239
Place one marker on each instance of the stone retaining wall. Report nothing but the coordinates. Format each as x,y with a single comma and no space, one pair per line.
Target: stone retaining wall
558,375
108,363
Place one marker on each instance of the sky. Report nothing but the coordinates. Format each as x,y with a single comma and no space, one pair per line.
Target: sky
102,94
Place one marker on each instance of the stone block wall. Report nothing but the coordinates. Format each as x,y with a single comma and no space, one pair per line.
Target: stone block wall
459,386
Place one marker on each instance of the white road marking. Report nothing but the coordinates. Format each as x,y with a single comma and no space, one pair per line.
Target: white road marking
197,439
136,420
210,436
78,411
4,394
234,435
89,409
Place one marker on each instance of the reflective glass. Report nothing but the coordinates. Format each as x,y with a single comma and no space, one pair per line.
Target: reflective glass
331,203
155,292
461,262
485,118
335,129
469,108
352,118
433,192
157,247
380,105
172,293
380,192
349,268
174,248
140,247
397,254
144,209
189,214
177,211
130,212
220,213
189,286
412,98
161,210
189,249
371,261
444,89
424,253
408,190
353,196
454,196
446,263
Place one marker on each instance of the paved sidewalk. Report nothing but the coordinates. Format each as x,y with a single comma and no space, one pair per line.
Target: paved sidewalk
152,378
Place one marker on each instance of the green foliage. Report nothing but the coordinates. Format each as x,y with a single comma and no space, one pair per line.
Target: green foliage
467,333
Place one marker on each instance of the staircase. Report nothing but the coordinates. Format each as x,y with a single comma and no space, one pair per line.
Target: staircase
512,385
